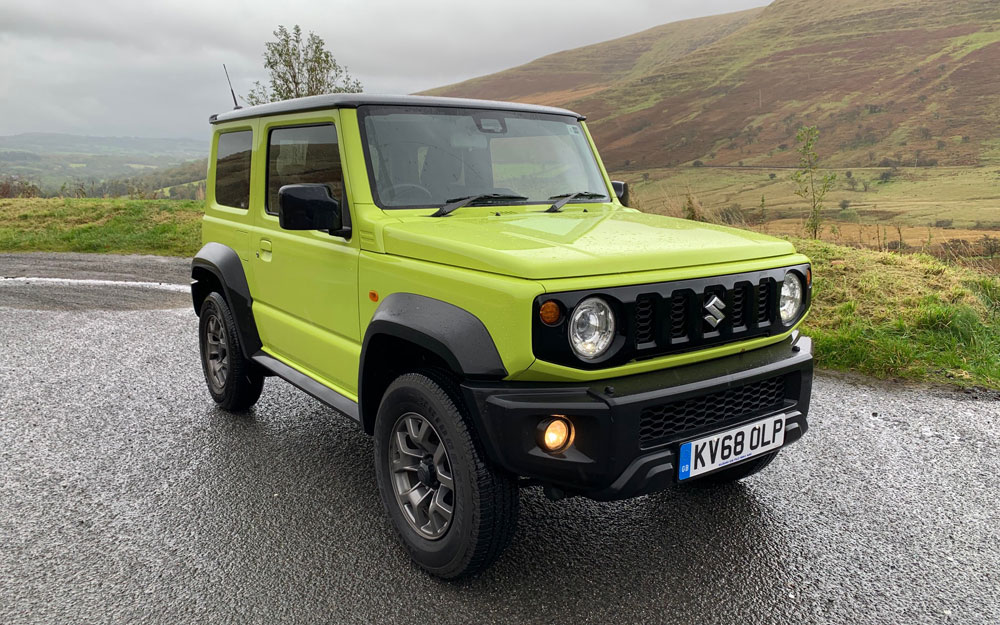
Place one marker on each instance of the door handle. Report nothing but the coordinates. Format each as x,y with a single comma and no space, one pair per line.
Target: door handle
265,250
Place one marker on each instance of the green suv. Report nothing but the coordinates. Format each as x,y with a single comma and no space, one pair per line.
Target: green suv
463,280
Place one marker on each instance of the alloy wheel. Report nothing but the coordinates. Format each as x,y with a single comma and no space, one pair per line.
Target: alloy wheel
422,478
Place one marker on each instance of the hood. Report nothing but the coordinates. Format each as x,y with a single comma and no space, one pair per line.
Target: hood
604,240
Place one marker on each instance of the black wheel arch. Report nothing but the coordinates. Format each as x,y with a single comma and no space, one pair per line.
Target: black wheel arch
410,332
217,267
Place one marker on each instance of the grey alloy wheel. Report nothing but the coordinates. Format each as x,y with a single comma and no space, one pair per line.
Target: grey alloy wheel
216,353
422,478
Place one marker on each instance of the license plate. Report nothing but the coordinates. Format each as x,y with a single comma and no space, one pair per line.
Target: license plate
732,446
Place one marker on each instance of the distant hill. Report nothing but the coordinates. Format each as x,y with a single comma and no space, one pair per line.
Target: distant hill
908,81
52,160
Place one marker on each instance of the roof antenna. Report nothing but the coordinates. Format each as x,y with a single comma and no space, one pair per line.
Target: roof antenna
236,105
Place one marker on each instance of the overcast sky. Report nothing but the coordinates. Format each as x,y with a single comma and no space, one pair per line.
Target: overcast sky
154,69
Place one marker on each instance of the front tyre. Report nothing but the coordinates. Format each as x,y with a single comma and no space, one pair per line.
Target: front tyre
453,512
234,381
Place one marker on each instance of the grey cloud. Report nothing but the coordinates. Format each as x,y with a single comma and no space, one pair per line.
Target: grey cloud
128,68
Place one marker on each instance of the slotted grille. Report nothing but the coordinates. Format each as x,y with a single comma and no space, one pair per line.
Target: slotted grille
678,316
666,422
682,314
644,319
739,310
763,301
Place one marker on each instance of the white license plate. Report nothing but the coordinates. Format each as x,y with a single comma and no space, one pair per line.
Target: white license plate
726,448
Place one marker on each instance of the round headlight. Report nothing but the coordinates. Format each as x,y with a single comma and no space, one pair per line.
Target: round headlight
591,328
791,297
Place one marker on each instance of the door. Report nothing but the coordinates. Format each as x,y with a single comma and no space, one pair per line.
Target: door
305,282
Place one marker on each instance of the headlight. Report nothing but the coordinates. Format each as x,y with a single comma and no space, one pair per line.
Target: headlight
791,297
591,328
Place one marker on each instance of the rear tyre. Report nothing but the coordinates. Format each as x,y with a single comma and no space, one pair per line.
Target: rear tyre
234,381
454,513
737,473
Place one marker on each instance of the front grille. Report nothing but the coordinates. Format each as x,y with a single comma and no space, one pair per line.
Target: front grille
763,299
746,313
644,320
678,313
666,422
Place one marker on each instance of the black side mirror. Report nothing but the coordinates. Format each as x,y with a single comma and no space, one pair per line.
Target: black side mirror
621,190
308,207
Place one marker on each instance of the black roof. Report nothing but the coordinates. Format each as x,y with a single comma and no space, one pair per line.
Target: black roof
354,100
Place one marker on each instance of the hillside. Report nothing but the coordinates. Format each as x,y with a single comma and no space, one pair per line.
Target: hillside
51,159
897,81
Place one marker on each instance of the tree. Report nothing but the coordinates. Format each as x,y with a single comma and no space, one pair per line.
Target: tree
298,68
812,187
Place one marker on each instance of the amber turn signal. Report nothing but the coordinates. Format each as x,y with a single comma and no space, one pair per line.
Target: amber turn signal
550,313
556,434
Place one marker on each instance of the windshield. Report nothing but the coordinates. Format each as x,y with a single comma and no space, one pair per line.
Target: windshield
425,156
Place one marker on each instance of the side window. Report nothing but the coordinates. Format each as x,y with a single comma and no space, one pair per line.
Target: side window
307,154
232,169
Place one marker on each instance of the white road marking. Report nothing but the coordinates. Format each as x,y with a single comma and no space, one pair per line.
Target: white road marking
162,286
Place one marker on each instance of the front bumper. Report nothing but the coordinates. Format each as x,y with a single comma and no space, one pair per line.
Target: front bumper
629,430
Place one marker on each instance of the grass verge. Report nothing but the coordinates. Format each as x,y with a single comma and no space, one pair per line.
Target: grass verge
903,316
886,315
117,226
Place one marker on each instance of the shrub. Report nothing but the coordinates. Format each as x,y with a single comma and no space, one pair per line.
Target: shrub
845,204
697,164
732,215
772,176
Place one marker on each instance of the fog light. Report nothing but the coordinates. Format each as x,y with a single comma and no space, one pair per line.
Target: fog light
556,434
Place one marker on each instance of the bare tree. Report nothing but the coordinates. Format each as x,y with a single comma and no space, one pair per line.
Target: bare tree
812,187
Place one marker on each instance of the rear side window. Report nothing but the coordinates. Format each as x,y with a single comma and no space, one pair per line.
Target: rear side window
306,154
232,169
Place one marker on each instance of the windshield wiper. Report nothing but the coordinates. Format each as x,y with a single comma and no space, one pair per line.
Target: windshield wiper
565,198
458,202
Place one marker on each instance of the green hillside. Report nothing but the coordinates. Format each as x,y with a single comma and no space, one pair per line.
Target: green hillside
892,82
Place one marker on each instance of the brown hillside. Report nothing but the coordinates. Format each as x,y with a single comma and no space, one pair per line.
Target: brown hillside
914,81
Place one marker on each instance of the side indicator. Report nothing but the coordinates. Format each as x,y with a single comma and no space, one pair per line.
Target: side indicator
373,296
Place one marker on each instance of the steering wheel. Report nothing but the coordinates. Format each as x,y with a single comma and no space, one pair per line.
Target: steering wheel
394,189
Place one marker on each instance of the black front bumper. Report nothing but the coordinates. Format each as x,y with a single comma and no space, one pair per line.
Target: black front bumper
629,430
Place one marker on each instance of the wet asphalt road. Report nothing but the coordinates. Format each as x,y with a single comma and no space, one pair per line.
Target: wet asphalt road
126,497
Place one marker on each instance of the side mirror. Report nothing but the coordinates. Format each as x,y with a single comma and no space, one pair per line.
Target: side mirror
621,190
308,207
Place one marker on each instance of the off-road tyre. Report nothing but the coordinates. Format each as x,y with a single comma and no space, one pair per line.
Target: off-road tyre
239,387
485,500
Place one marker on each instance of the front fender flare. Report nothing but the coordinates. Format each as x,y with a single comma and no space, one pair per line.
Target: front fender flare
451,333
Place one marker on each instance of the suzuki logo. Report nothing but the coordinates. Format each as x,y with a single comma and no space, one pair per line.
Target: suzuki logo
715,315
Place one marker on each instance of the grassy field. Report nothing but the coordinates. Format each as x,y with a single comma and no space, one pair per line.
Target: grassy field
116,226
894,316
962,197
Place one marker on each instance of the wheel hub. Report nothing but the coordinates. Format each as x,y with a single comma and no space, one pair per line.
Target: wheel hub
427,474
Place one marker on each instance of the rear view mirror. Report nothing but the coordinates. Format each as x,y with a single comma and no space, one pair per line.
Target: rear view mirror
308,207
621,190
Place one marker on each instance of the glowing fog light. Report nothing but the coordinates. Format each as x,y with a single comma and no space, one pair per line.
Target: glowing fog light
556,434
